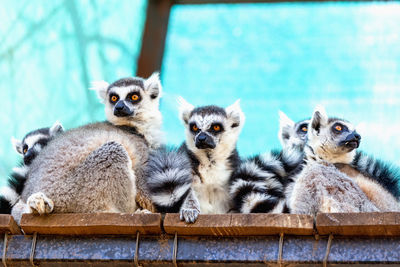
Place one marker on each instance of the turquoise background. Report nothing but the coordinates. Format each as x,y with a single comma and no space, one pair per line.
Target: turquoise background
288,57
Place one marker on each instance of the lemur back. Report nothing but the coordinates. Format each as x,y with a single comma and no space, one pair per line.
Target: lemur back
71,161
29,147
99,167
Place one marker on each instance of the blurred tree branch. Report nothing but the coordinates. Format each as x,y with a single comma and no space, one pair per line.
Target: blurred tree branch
29,33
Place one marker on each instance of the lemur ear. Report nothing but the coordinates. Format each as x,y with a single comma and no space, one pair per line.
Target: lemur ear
285,127
235,114
56,129
185,108
17,144
101,88
318,119
153,85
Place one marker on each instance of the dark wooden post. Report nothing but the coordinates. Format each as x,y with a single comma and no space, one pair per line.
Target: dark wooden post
154,34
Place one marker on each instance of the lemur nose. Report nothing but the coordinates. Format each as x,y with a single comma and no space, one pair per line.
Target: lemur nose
357,136
202,137
120,105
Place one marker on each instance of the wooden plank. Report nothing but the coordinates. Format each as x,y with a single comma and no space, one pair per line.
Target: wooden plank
154,34
92,224
8,225
241,224
359,224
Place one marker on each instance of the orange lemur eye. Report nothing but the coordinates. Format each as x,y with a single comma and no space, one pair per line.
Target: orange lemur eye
195,128
114,98
135,97
216,128
25,150
338,128
304,129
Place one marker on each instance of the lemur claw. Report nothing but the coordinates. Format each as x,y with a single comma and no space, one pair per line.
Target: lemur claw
189,215
39,203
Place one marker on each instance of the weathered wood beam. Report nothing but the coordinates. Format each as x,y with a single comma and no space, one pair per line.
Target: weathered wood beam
241,225
92,224
359,224
8,225
153,40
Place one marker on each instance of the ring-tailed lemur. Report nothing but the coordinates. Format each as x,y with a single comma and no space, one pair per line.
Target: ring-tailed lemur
29,147
320,186
258,184
376,178
196,177
99,167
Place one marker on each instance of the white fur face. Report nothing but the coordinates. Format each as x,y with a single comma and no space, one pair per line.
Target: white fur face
291,134
209,127
130,101
331,139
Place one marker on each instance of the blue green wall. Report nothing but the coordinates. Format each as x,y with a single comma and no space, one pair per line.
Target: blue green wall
273,57
289,57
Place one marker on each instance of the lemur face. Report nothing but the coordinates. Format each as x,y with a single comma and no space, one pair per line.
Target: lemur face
208,127
291,134
332,139
130,100
34,141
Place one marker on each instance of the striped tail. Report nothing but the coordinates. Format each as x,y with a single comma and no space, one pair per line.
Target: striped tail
257,186
10,194
386,174
169,178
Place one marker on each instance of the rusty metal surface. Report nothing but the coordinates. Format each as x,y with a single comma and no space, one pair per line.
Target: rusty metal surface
201,251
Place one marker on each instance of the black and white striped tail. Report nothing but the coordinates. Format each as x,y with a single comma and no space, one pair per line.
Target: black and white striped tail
9,194
257,186
169,178
384,173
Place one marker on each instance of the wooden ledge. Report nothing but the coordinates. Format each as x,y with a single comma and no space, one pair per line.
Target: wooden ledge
241,225
359,224
8,225
92,224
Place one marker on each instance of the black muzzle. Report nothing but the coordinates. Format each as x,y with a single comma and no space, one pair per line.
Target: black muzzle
122,110
204,141
352,141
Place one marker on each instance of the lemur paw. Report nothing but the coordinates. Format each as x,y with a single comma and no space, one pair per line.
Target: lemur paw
142,211
189,215
39,203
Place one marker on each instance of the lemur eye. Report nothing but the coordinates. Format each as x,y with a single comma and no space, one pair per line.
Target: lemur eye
114,98
195,128
338,128
25,149
304,129
135,97
216,128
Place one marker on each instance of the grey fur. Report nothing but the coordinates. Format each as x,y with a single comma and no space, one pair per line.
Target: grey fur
321,187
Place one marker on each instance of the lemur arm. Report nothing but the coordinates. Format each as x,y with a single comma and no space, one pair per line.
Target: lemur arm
190,208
